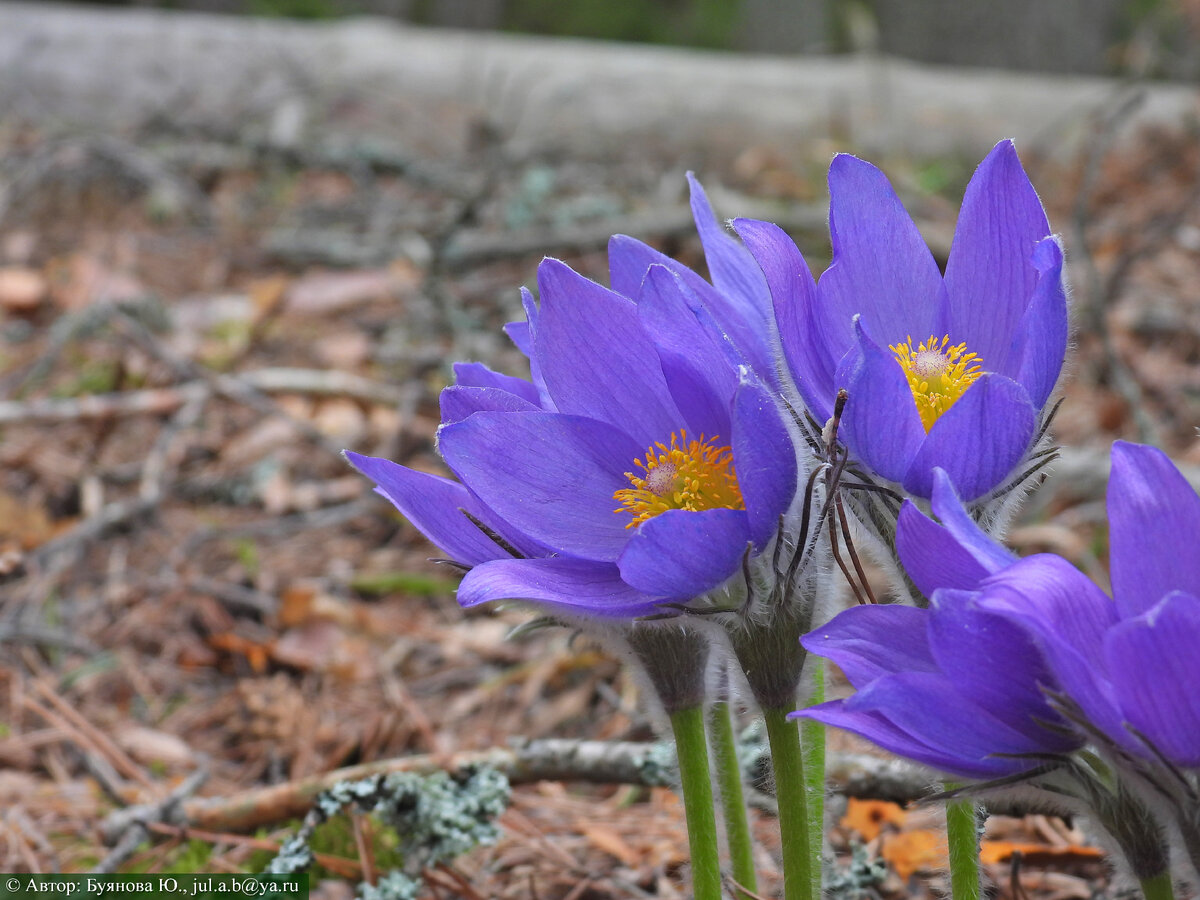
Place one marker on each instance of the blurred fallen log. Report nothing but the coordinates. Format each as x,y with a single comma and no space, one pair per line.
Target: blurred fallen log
287,82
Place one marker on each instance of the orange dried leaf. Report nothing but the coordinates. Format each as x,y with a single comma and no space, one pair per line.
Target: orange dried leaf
911,851
1038,854
867,817
256,654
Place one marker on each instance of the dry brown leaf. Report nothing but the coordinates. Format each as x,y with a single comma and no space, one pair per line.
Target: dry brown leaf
911,851
606,838
26,523
323,646
82,280
867,817
328,292
149,745
266,294
343,350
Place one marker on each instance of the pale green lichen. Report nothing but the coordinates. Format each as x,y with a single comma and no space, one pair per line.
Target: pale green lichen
392,886
436,818
859,878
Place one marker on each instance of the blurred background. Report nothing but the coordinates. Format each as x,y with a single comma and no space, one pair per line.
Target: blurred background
1101,37
238,236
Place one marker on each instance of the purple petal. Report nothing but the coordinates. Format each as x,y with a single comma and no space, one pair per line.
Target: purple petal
459,401
764,458
434,505
1068,616
929,712
596,358
881,268
629,260
571,586
996,665
1154,528
473,374
734,272
868,642
978,441
699,376
549,475
955,554
989,275
990,554
1041,342
1155,670
794,295
878,729
1055,599
930,708
681,554
532,313
880,425
931,555
743,309
519,333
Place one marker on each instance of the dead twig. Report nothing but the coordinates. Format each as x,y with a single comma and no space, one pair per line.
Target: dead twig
159,401
66,716
230,386
22,633
550,760
132,826
602,762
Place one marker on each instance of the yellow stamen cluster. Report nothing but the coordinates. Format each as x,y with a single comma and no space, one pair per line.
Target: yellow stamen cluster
693,475
937,374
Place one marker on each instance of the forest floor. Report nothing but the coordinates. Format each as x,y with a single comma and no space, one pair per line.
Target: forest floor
192,579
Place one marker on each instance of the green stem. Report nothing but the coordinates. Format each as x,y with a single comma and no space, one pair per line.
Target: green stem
812,740
962,836
1159,887
790,790
733,802
696,785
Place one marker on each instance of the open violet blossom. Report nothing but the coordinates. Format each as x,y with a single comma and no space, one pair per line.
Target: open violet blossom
643,459
1007,635
955,686
945,372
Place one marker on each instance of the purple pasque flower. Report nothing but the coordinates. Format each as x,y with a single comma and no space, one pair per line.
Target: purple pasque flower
1127,667
941,372
642,459
1122,673
956,686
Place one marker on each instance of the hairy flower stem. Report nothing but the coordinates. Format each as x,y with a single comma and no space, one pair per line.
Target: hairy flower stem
790,791
962,836
696,784
733,802
1159,887
812,742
